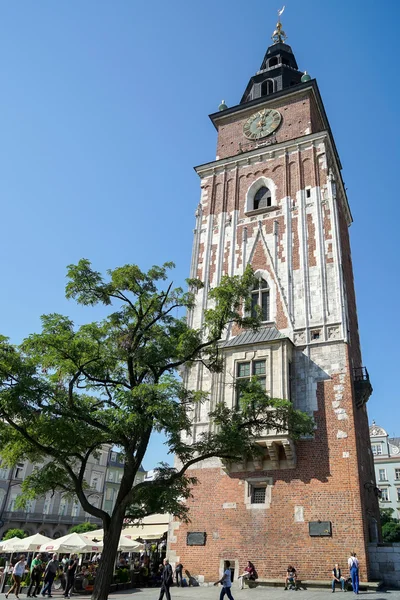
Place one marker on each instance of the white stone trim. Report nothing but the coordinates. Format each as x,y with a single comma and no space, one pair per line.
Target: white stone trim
253,189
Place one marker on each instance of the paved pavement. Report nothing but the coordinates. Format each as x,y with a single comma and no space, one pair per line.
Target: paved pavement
260,593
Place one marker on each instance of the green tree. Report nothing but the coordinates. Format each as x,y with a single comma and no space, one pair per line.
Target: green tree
83,528
11,533
68,390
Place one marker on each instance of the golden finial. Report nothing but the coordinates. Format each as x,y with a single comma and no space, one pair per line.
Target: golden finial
279,35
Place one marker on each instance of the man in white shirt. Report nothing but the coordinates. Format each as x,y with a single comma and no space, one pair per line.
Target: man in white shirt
226,581
354,567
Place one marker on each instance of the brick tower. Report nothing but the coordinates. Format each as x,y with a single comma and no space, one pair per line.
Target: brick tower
274,198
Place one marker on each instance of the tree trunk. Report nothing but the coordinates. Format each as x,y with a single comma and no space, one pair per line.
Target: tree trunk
105,569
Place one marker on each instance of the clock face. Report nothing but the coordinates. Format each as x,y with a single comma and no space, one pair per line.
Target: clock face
262,123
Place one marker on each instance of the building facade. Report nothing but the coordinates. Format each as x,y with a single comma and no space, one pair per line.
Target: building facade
274,198
115,469
54,514
386,453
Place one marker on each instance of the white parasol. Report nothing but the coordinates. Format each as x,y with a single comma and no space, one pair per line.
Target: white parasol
4,542
125,543
28,544
73,542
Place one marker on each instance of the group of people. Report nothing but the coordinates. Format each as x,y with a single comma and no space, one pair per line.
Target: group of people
250,573
40,569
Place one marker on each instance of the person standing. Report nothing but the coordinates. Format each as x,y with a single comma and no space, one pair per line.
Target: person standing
354,566
337,577
166,580
226,581
70,574
178,573
49,575
17,573
36,576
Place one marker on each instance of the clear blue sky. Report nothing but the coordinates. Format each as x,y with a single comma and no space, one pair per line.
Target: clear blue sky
103,111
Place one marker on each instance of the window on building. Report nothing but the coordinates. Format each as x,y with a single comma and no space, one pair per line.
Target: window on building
385,494
267,87
113,456
96,481
262,198
11,502
398,494
110,494
248,369
397,474
382,475
19,470
119,477
62,509
47,504
308,193
273,62
260,298
258,495
3,472
290,381
110,476
30,506
75,508
376,449
95,501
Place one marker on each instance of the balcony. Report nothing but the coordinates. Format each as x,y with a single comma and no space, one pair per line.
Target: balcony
362,386
35,517
279,452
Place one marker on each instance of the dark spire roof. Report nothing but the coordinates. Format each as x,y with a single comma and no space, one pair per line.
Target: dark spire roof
278,70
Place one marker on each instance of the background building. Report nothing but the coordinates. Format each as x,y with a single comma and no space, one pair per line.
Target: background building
54,514
386,453
115,469
274,198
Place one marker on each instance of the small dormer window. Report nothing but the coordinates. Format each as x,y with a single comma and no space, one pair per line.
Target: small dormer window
262,198
267,87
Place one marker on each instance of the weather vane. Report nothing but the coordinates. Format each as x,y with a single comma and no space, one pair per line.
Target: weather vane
279,35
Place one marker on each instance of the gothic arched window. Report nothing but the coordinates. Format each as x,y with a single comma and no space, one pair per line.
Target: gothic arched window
262,198
260,297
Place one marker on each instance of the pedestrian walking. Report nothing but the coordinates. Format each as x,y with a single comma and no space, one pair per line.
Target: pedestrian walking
50,573
166,580
354,566
36,576
17,573
71,571
226,581
178,573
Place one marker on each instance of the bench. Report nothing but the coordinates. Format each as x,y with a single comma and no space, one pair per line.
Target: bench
302,584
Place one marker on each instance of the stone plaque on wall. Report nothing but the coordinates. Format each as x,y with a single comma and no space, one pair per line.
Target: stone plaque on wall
196,538
320,528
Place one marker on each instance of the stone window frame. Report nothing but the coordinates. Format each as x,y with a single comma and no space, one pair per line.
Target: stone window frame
252,191
386,490
258,482
377,447
262,274
384,477
251,362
